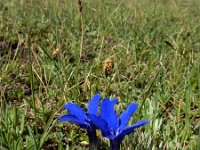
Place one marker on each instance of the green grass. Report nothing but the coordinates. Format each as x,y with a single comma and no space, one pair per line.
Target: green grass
155,48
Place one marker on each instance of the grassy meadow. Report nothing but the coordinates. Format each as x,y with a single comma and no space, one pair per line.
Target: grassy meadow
55,51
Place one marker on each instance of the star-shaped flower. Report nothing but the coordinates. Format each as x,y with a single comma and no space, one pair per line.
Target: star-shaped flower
115,127
77,115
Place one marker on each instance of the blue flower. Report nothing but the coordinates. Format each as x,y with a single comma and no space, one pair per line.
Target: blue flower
77,115
115,127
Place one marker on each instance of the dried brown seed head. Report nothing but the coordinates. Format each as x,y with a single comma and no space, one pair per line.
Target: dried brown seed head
55,53
108,66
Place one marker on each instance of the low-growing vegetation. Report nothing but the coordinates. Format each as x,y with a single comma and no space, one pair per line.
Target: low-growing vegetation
54,52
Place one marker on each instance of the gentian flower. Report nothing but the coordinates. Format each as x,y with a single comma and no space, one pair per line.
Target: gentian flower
77,115
112,126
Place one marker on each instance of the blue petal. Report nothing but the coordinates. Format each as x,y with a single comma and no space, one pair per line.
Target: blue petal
108,113
125,116
75,110
73,119
100,124
131,128
93,104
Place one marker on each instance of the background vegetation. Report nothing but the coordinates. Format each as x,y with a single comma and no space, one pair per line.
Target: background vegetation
53,52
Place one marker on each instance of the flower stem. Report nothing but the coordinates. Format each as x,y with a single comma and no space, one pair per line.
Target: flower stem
92,139
114,145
